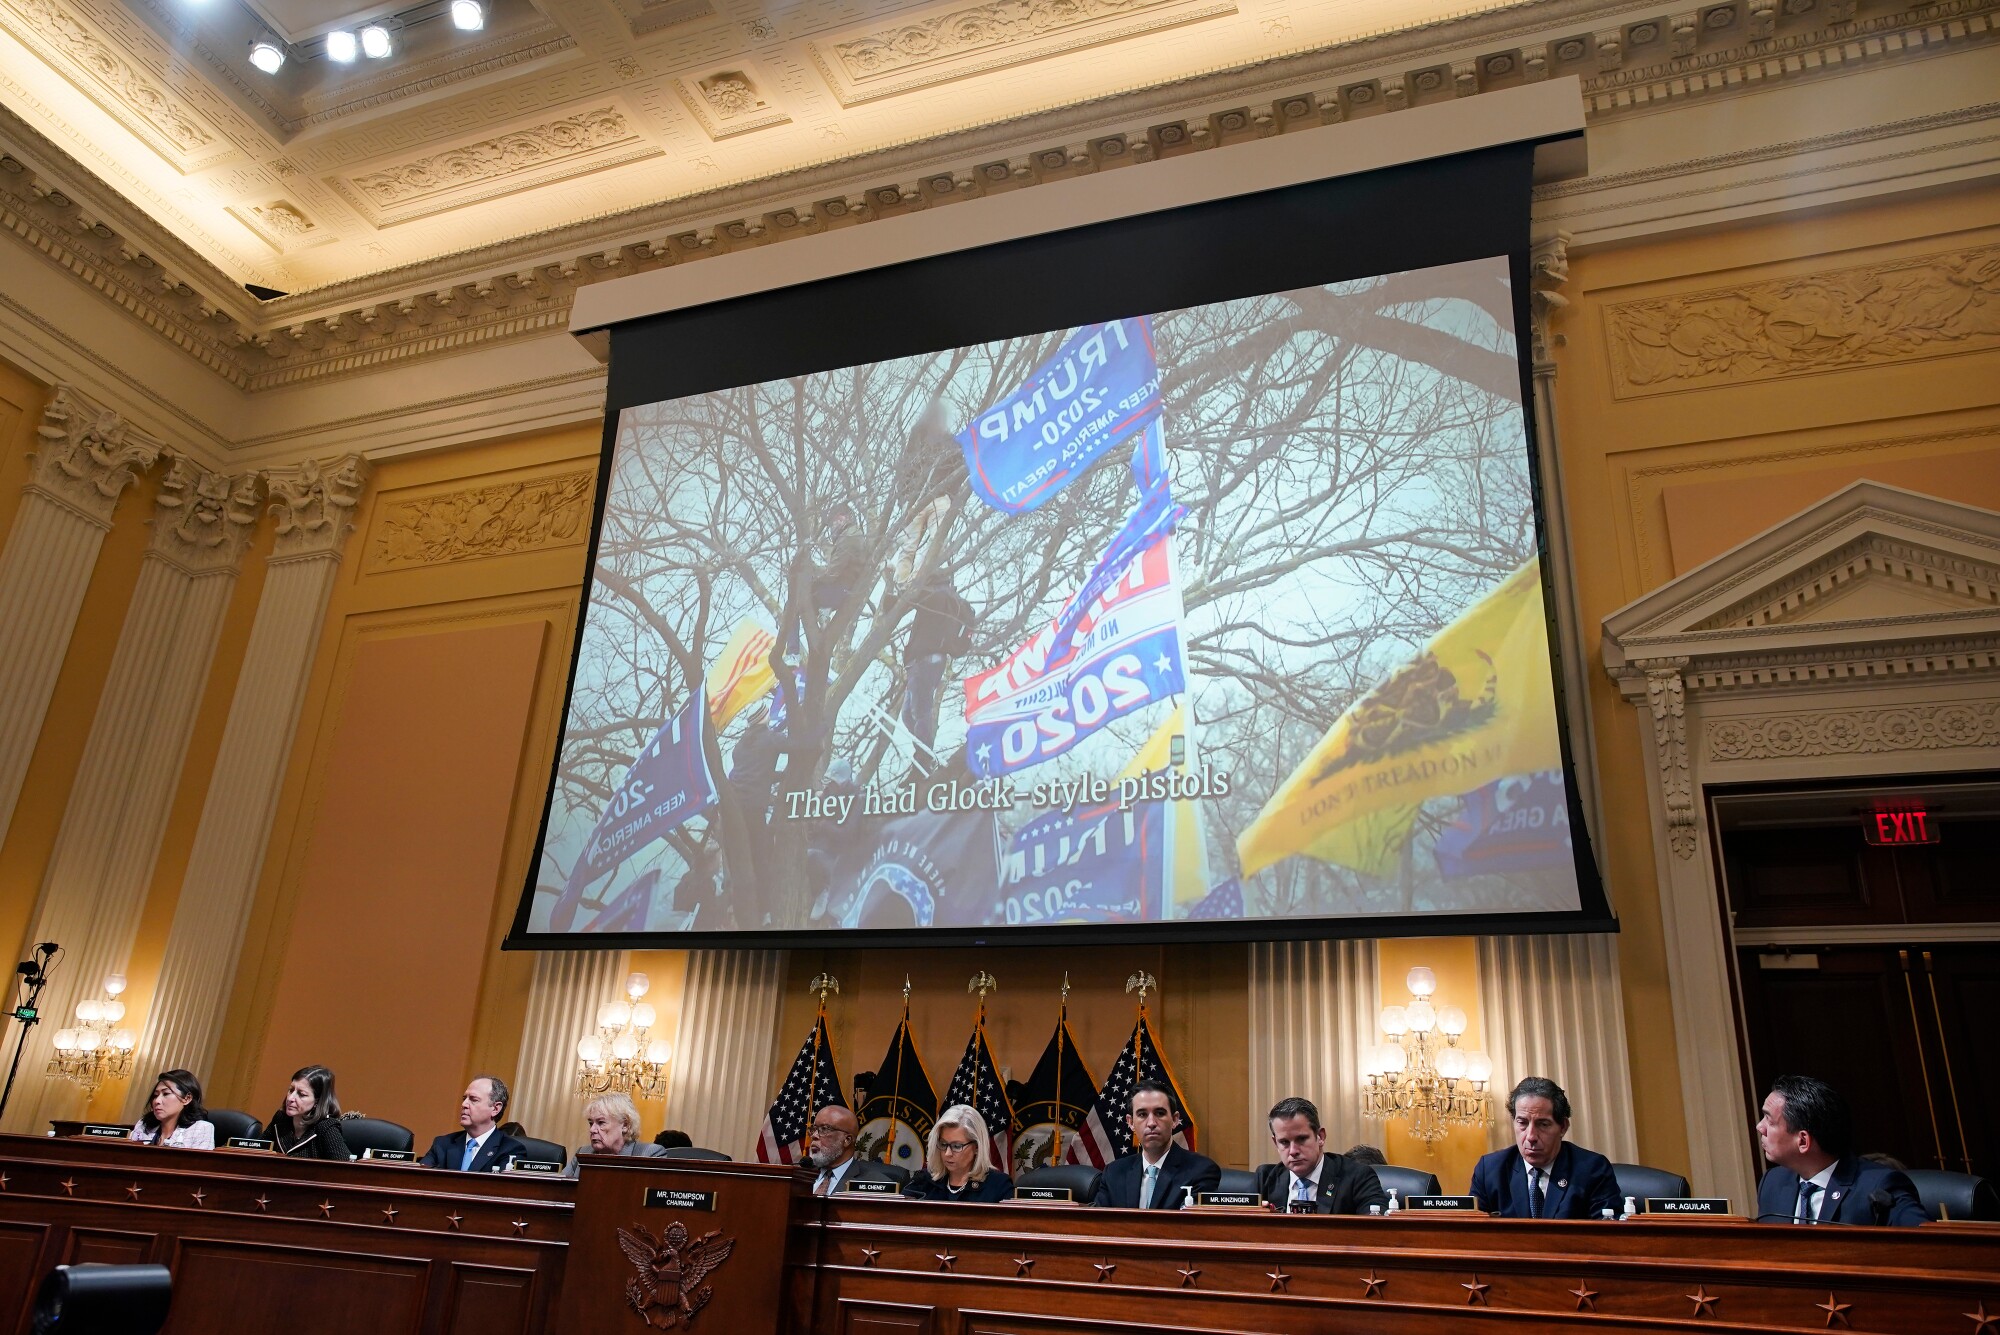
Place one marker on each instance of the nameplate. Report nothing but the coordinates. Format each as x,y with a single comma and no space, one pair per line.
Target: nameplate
549,1166
1445,1203
1044,1194
105,1131
248,1143
1684,1205
1235,1200
869,1187
679,1198
388,1156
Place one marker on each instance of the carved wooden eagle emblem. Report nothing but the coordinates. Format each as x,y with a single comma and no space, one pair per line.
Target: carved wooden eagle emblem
668,1290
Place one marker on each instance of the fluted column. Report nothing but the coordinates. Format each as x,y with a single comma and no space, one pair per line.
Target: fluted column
1552,1006
97,876
84,459
569,986
722,1053
311,505
1312,1020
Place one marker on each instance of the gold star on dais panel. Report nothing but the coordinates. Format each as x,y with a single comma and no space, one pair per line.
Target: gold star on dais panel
1586,1297
1105,1269
1703,1300
1188,1276
869,1255
1279,1279
1475,1292
1372,1286
945,1259
1835,1310
132,1192
1023,1264
1983,1323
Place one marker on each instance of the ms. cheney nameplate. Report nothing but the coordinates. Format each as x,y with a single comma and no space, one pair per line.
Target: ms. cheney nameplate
871,1187
679,1198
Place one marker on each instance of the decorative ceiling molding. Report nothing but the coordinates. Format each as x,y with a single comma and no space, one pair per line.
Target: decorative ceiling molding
882,62
730,101
649,16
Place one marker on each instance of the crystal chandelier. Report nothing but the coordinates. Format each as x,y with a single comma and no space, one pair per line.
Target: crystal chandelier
98,1048
619,1058
1434,1085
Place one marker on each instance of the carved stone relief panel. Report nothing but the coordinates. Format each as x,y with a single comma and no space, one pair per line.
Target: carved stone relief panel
508,518
880,62
533,155
282,225
1855,732
86,456
1841,319
730,101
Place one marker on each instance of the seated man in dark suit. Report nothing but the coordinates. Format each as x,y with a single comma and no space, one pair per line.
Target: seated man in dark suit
831,1151
1815,1177
1542,1177
479,1146
1155,1178
1308,1180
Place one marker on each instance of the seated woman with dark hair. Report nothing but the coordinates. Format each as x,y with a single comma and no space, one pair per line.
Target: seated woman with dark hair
174,1116
959,1164
307,1124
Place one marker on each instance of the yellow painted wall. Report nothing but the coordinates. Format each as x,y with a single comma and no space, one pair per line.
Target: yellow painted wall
1662,476
21,400
1454,959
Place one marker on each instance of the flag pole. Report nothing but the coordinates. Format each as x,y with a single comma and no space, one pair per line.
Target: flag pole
896,1080
1062,1046
822,984
982,983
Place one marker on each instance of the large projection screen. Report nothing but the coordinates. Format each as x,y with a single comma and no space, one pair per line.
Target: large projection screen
1180,575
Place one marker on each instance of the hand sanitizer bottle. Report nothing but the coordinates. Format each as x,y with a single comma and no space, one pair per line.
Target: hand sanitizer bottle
1394,1204
1631,1208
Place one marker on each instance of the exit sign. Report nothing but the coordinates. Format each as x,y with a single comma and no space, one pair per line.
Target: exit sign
1910,826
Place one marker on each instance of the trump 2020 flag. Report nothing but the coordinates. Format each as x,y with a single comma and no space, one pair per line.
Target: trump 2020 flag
812,1084
1053,1104
977,1084
1107,1135
667,784
1101,387
1476,705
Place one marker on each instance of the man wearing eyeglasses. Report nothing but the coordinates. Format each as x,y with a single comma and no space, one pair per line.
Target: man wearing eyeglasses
1158,1176
831,1151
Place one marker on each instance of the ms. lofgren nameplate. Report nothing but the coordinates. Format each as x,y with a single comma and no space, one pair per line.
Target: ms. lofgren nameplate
679,1198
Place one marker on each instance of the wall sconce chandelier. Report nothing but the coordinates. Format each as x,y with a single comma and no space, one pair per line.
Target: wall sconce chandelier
1434,1085
98,1048
619,1058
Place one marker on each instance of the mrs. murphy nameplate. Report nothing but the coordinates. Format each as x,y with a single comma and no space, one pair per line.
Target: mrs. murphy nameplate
679,1198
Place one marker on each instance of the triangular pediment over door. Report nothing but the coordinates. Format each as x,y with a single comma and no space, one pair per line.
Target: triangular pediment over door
1858,638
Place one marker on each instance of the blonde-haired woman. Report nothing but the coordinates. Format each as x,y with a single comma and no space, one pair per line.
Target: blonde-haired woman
613,1122
959,1166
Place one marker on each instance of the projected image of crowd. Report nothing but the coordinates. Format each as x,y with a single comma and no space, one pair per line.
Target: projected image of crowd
1224,612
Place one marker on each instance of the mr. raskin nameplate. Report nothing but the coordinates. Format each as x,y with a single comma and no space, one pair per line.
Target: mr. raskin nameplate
1687,1205
390,1156
1044,1194
248,1143
1440,1203
871,1187
545,1166
1237,1200
106,1131
679,1198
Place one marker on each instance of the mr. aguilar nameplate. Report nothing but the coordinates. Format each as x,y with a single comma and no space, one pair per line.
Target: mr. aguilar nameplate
1704,1206
1441,1203
248,1143
869,1187
1235,1200
1044,1194
679,1198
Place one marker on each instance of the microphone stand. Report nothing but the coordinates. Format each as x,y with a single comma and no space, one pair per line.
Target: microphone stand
35,977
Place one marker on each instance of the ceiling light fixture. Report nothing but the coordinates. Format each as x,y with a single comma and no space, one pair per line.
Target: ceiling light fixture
375,41
267,55
467,15
341,46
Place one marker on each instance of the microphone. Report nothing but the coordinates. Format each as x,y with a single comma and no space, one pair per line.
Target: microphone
1879,1204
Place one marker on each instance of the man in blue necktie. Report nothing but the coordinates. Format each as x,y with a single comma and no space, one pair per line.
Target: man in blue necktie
1308,1180
1542,1176
1815,1178
1161,1174
479,1146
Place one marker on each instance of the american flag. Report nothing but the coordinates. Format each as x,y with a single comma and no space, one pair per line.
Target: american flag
977,1083
1106,1134
812,1084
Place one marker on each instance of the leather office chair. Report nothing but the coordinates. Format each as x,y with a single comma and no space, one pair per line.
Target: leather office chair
1642,1183
1407,1182
375,1133
696,1152
1955,1195
1080,1178
228,1122
897,1171
547,1151
1238,1179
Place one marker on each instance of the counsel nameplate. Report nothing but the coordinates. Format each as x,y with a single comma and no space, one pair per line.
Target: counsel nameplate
679,1198
1439,1203
1044,1194
1695,1205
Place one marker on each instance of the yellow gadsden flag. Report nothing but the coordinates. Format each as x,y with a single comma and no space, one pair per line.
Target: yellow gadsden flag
1476,705
1186,853
741,674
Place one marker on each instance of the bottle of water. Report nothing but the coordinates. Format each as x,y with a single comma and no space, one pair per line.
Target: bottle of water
1394,1204
1375,1209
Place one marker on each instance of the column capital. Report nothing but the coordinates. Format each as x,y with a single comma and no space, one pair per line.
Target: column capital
205,520
85,456
1548,270
313,504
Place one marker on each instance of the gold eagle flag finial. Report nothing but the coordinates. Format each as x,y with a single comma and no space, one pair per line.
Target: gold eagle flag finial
982,983
823,984
1142,983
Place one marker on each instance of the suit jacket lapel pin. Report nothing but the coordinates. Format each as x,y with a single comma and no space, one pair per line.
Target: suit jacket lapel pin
1836,1195
1563,1183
